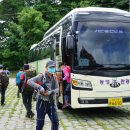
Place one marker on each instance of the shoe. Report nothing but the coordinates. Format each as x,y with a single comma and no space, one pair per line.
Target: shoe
34,99
27,115
65,106
32,115
2,104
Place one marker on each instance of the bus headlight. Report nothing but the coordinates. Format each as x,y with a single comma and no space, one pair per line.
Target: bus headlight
81,83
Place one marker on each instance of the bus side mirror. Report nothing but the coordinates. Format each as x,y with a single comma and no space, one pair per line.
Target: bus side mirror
69,41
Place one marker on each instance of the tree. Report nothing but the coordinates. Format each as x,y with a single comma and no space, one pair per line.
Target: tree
10,8
49,12
121,4
25,26
29,30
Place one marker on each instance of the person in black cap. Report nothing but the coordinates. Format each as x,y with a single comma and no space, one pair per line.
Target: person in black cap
4,81
27,91
47,86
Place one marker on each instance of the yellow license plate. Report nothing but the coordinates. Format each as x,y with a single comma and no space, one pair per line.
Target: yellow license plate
115,101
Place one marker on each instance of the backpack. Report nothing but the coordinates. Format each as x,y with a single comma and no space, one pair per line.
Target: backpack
24,78
4,79
18,81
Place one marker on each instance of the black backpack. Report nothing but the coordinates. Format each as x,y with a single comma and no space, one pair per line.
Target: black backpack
4,79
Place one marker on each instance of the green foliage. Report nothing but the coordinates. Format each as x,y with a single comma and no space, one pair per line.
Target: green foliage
84,3
10,8
33,25
26,21
28,30
122,4
49,13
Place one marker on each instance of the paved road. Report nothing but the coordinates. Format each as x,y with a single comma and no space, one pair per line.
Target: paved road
12,116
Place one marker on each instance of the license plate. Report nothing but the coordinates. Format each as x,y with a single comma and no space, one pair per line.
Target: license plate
115,101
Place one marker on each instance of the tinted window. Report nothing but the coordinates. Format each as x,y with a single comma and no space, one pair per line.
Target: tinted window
102,43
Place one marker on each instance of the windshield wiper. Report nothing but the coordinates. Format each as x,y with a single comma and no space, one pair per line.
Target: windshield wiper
99,68
126,66
116,65
111,66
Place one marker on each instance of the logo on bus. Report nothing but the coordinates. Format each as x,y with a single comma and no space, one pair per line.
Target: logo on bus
114,84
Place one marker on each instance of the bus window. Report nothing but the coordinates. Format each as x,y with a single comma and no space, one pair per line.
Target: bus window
65,52
57,45
45,52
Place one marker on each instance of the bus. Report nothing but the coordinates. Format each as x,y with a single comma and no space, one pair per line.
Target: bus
95,43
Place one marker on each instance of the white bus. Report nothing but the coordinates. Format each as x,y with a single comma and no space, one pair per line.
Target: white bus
95,42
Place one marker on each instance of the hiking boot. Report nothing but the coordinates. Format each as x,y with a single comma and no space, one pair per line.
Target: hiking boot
27,115
30,115
2,104
34,99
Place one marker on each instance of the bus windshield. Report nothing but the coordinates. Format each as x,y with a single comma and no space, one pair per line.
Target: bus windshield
101,44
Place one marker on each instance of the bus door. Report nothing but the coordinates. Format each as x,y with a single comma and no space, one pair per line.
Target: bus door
57,58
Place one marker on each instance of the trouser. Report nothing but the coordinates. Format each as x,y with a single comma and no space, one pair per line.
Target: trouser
43,108
67,94
3,95
19,89
27,101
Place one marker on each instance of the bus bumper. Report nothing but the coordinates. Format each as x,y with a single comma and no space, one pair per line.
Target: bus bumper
91,103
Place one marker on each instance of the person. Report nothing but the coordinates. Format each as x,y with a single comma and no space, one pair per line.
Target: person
47,86
18,82
27,91
7,72
4,81
66,84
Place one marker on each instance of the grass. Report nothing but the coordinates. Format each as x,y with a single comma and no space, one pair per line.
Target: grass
13,74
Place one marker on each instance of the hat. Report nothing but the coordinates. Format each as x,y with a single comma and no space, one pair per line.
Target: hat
26,66
51,63
1,66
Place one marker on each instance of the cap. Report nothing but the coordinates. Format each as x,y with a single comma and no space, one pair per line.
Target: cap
1,66
51,63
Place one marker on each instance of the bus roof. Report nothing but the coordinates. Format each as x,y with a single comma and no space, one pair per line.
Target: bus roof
89,9
33,46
